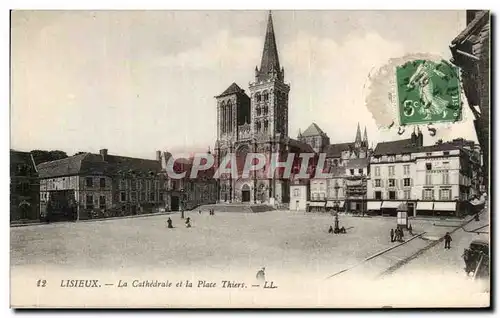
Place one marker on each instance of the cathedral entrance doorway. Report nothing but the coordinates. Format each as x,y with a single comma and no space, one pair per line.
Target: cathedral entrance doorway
245,193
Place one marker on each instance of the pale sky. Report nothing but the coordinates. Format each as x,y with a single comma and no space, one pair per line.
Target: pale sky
140,81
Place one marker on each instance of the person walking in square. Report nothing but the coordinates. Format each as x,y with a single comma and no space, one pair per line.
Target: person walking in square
392,235
261,275
447,240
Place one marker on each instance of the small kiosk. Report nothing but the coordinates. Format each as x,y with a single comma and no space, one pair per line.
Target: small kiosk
402,216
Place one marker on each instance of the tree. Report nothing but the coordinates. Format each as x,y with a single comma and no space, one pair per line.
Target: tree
41,156
79,153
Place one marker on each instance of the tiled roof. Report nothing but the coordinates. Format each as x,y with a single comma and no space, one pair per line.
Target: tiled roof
335,150
406,146
313,130
232,89
300,145
438,147
61,167
93,164
357,163
118,163
394,147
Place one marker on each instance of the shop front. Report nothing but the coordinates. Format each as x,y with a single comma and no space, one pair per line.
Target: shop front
425,208
390,208
317,206
445,208
374,207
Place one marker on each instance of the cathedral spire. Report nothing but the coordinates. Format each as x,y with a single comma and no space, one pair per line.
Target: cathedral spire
358,136
365,138
270,64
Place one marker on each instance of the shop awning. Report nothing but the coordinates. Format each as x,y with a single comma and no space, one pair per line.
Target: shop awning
391,204
425,205
445,206
317,204
374,205
331,204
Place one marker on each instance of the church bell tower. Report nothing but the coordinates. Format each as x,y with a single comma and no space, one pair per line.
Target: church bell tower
269,92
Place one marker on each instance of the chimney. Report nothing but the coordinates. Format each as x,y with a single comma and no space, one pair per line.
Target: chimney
420,139
158,155
104,154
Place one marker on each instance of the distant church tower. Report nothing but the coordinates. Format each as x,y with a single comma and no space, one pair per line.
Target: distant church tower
358,141
269,93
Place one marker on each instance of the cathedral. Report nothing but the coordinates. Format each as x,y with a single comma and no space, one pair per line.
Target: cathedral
257,123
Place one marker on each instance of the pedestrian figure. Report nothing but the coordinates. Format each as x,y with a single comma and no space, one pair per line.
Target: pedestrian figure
261,275
169,222
199,211
330,230
342,230
447,240
188,222
476,217
392,235
468,261
410,230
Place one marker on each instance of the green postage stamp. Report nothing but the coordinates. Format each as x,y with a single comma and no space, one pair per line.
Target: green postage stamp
428,92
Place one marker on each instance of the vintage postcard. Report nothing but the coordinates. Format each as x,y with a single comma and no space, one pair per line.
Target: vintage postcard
250,159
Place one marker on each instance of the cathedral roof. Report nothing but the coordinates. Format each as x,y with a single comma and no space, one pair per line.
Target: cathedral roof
300,145
270,62
335,150
313,130
232,89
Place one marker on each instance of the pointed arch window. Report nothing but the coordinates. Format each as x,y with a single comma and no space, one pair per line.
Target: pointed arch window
266,124
258,126
266,96
258,97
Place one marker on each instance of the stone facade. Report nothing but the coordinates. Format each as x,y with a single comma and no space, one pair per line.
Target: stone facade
24,196
431,180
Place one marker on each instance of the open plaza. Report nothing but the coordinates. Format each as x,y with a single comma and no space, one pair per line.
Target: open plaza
293,247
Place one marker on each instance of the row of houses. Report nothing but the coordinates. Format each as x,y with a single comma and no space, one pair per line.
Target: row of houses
87,185
439,179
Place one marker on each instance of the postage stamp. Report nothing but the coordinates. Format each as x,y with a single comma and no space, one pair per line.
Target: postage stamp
428,92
